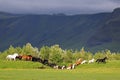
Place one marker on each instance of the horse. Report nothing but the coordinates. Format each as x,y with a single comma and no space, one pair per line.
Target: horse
51,65
78,61
36,59
59,67
103,60
84,61
26,57
12,57
63,67
45,61
19,57
91,61
71,66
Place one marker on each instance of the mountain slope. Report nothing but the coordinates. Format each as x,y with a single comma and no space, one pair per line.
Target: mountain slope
94,32
107,37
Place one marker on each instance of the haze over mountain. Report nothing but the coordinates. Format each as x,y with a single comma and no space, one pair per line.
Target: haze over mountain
58,6
92,31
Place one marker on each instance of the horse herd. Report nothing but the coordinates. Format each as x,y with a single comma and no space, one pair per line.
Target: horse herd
53,65
25,58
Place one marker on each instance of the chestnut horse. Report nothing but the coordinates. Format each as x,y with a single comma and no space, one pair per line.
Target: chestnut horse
79,61
26,57
71,66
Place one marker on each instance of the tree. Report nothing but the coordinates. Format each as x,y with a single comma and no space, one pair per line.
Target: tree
68,56
11,50
99,55
29,49
55,54
44,53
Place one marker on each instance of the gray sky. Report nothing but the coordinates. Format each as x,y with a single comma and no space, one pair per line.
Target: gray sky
58,6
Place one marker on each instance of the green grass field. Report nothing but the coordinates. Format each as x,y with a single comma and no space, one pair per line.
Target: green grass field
108,71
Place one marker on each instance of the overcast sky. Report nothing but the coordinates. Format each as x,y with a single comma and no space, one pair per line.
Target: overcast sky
58,6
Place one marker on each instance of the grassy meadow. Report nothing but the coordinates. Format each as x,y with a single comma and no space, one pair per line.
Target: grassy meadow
26,70
20,65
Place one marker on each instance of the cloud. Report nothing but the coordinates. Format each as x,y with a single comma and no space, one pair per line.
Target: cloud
58,6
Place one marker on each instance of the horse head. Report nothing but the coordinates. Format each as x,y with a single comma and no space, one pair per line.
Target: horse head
19,57
105,58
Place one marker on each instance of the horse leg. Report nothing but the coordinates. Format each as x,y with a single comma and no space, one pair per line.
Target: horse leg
14,59
26,59
7,59
104,61
98,61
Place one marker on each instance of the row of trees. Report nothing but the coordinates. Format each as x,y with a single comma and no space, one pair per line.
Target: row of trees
55,54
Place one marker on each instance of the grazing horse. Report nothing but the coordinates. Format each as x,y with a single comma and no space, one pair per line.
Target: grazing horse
59,67
101,60
26,57
12,57
91,61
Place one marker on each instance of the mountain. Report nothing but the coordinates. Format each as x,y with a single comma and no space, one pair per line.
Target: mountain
92,31
108,34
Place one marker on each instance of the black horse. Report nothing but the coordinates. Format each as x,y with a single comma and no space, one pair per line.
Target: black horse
36,59
101,60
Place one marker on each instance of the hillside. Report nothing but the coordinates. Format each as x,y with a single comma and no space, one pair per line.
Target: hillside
108,34
93,31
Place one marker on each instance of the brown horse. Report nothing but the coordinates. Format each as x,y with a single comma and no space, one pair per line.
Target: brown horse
79,61
70,66
26,57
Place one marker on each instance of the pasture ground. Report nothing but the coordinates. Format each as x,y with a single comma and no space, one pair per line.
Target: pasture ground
108,71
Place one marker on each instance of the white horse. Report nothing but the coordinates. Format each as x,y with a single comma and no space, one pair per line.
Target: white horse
12,57
91,61
83,62
73,66
63,67
56,67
